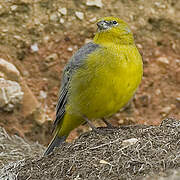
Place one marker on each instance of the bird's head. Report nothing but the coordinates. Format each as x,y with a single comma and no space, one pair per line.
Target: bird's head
113,29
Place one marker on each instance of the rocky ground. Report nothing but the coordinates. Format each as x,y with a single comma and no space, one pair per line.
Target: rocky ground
129,152
38,37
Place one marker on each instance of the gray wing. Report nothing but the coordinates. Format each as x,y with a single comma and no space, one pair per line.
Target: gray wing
75,62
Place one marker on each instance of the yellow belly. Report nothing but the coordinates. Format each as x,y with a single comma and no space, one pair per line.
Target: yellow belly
105,84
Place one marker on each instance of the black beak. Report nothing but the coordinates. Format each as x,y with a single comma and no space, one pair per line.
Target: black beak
103,25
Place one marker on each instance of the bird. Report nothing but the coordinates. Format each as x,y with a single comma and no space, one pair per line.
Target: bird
98,80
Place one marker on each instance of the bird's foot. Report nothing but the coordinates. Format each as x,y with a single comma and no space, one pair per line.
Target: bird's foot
108,124
91,125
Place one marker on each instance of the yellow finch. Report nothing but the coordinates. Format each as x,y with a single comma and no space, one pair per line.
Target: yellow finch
100,78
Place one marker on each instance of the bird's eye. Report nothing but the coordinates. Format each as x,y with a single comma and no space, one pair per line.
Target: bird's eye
114,22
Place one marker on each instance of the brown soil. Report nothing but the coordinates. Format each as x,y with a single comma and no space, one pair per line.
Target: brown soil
128,152
156,28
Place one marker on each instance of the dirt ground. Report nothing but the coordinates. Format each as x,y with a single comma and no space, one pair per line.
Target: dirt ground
57,33
129,152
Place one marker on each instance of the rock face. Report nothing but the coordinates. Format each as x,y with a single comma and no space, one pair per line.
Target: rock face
10,94
8,71
16,97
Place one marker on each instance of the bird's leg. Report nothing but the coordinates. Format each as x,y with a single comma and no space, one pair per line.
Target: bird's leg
108,124
90,124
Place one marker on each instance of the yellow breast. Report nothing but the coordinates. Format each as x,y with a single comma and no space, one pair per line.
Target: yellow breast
106,82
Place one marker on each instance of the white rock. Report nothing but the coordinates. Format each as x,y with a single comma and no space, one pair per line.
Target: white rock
103,162
178,99
94,19
97,3
13,7
79,15
51,57
163,60
166,110
70,49
87,40
54,17
34,47
129,142
63,11
43,94
141,7
10,94
61,20
9,70
139,46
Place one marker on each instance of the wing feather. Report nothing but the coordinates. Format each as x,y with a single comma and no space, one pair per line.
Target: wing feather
75,62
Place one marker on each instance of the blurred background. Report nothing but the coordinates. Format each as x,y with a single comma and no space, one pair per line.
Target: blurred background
37,37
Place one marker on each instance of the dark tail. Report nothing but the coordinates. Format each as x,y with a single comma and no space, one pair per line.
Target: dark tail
54,143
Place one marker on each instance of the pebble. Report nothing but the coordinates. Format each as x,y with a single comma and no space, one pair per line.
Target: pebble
103,162
79,15
141,7
92,20
157,91
13,7
10,94
54,17
34,47
70,49
163,60
130,142
9,70
178,99
43,94
88,40
61,20
51,57
63,11
166,110
97,3
139,46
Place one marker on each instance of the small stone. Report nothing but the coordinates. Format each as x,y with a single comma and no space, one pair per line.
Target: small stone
46,39
97,3
9,70
157,91
103,162
152,11
17,37
121,121
63,11
157,4
88,41
79,15
130,142
42,94
13,7
34,47
61,20
139,46
70,49
92,20
10,94
163,60
51,57
54,17
178,99
166,110
141,7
